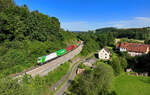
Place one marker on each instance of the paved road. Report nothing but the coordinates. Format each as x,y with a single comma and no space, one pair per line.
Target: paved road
72,76
68,82
44,69
58,83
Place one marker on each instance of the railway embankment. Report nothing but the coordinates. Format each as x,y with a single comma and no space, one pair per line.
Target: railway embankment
49,66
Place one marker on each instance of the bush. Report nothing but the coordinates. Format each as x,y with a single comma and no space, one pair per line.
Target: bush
118,64
97,82
11,87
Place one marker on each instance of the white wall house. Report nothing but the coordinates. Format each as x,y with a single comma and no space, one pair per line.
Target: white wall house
123,49
134,49
104,54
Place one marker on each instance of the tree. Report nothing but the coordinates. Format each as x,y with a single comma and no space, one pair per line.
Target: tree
4,4
116,65
147,41
11,87
97,82
103,78
123,62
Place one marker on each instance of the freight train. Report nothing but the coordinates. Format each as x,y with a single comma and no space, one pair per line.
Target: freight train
44,59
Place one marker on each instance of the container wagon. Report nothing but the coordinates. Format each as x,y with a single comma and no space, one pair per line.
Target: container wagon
44,59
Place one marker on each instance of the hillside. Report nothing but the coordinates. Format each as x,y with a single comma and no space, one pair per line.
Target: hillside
131,33
25,35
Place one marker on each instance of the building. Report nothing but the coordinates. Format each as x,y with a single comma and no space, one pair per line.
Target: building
88,64
104,54
80,71
134,49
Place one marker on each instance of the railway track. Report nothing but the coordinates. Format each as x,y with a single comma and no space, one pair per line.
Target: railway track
49,66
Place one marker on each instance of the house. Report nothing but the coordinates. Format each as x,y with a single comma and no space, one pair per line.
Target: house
104,54
134,49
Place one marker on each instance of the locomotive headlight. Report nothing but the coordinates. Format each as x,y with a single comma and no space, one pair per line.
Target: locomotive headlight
39,60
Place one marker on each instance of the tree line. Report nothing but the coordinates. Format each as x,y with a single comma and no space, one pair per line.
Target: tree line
94,42
131,33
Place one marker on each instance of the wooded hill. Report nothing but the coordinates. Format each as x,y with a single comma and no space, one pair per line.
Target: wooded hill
131,33
25,35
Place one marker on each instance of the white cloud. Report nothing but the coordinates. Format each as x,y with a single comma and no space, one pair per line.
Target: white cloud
84,25
79,25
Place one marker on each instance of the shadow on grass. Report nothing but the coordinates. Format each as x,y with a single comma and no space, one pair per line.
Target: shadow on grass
145,80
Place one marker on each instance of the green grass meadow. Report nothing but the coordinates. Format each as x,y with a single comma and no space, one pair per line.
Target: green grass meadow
132,85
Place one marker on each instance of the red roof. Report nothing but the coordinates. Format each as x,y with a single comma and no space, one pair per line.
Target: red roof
133,47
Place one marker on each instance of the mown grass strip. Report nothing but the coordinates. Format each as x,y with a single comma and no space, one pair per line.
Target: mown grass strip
66,78
131,85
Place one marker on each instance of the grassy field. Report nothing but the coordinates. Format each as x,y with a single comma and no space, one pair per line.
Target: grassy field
129,40
57,74
132,85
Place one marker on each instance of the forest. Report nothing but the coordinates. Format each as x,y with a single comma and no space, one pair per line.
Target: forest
94,42
26,35
130,33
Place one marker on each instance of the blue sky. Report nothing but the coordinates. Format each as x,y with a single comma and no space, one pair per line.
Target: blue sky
86,15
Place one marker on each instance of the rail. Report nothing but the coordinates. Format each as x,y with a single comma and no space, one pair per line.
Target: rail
49,66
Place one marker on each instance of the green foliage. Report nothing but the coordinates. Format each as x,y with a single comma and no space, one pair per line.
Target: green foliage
40,85
11,87
90,46
132,33
94,42
118,64
130,40
32,86
140,63
4,4
82,66
97,82
147,41
56,75
25,35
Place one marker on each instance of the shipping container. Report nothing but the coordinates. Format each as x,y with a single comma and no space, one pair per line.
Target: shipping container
75,45
50,56
61,52
79,42
69,48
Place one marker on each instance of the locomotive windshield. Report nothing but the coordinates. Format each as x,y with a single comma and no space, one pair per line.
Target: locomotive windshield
39,60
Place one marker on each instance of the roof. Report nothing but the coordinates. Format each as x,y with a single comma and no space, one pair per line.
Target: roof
106,49
133,47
